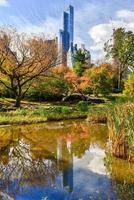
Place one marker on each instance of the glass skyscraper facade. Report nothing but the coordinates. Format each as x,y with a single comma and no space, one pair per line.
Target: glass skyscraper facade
67,33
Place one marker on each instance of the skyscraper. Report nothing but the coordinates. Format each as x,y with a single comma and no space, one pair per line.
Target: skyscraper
67,33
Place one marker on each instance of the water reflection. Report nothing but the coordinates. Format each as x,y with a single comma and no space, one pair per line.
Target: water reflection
59,161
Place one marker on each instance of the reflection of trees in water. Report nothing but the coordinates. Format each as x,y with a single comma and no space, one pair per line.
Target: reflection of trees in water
21,170
84,135
29,155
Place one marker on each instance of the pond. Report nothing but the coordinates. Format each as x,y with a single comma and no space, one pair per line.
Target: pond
61,161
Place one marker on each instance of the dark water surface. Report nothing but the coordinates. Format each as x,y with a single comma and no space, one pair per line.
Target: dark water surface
61,161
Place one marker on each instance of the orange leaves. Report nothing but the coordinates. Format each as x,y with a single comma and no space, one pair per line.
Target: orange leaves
79,83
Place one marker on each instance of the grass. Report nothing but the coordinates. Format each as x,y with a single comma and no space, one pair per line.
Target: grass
97,115
39,115
40,112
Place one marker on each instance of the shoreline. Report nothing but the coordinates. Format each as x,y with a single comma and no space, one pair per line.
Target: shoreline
25,122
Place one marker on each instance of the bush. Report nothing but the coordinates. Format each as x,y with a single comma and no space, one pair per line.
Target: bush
21,112
102,83
35,94
83,106
88,90
66,110
52,89
101,78
129,86
40,111
4,92
52,110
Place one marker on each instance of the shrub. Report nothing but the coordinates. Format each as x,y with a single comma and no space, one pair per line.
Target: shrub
83,106
40,111
88,90
21,112
51,89
66,110
101,78
102,83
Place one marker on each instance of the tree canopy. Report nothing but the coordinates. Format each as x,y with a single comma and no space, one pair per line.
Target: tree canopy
121,49
23,59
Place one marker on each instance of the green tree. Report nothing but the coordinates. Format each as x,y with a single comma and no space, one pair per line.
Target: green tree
129,86
81,60
102,83
101,79
79,68
121,48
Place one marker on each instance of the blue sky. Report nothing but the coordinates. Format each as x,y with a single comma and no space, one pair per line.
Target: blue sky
94,19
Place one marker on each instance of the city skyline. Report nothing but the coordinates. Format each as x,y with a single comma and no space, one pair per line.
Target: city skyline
93,23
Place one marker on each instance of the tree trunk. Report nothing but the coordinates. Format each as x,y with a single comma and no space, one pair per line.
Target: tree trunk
18,102
119,79
119,83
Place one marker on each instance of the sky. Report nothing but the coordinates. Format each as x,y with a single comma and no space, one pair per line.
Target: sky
94,19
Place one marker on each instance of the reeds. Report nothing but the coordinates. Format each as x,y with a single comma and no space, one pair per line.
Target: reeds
121,130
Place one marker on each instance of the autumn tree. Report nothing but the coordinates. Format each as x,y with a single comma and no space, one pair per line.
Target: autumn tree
121,48
23,60
101,78
79,84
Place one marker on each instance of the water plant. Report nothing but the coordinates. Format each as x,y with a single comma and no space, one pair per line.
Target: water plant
121,130
97,114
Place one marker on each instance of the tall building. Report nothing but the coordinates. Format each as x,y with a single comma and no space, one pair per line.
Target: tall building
66,40
67,34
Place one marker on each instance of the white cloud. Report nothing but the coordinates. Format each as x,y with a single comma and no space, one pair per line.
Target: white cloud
4,3
102,32
127,15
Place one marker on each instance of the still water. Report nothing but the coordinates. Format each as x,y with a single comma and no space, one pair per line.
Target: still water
61,161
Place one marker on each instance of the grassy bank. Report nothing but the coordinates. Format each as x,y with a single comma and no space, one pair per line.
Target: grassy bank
99,113
36,112
40,114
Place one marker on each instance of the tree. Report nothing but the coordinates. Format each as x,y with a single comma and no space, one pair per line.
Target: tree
79,68
121,48
79,84
101,79
129,85
81,61
24,59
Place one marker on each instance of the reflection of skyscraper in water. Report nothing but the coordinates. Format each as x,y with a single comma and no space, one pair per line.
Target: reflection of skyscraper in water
68,170
65,156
